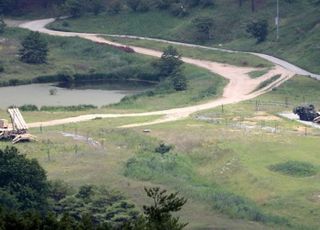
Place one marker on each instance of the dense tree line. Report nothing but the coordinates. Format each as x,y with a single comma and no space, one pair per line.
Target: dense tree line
28,201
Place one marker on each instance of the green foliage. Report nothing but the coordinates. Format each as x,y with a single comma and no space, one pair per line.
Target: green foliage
258,73
139,5
179,81
68,108
22,180
178,171
268,82
258,30
34,49
103,206
169,62
74,7
59,189
178,10
114,6
29,108
203,28
163,148
294,168
96,6
158,214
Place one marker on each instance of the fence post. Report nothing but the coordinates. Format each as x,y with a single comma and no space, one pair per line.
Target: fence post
48,150
305,131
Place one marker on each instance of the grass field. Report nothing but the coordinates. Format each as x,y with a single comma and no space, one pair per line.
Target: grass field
222,168
238,59
299,34
71,55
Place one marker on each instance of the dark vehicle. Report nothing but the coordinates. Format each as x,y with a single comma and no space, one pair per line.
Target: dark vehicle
307,113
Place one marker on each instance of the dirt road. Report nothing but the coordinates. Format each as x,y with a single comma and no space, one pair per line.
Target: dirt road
239,88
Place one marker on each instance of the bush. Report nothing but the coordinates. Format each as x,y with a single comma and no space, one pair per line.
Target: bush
294,168
114,6
203,28
68,108
179,81
258,30
28,107
178,10
163,148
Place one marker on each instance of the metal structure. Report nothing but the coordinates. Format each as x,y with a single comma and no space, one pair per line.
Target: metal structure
18,131
307,113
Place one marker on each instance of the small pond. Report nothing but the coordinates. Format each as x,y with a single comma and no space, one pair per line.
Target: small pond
98,93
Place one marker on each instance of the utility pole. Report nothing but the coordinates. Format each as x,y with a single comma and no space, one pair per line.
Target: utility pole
277,20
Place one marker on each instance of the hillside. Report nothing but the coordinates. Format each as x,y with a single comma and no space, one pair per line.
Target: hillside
299,27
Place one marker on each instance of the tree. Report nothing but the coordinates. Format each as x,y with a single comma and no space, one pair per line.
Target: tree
2,25
114,6
169,62
34,49
22,181
258,30
74,7
204,27
97,6
158,215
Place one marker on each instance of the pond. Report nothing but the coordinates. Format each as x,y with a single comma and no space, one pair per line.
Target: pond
98,93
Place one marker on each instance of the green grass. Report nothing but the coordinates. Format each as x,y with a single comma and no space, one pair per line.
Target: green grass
298,90
268,82
299,28
258,73
202,86
79,163
74,55
202,151
238,59
294,168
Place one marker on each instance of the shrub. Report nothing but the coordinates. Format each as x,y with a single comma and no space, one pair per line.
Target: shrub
178,10
114,6
163,148
68,108
203,28
179,81
295,168
28,107
258,30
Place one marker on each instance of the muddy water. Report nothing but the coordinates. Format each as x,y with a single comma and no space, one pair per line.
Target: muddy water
39,94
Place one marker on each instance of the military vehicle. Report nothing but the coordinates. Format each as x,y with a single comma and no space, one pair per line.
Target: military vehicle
307,113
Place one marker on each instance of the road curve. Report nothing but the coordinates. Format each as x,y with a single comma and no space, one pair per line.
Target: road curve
240,87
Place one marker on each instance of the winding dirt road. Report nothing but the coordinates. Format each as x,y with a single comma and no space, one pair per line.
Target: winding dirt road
240,87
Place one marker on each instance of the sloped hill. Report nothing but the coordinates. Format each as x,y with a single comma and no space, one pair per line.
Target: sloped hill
299,27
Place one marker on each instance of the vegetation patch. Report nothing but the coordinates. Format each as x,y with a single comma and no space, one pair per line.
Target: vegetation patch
294,168
258,73
32,108
177,169
268,82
